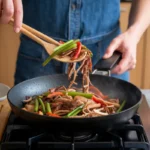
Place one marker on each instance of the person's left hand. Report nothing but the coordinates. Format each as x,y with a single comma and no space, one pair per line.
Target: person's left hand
125,43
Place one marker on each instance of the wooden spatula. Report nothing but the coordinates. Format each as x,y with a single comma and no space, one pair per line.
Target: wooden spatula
48,43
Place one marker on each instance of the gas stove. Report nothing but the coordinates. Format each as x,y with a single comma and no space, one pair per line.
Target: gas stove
134,134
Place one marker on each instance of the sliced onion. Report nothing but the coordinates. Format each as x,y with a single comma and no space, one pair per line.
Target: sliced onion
72,90
98,111
110,106
61,112
27,100
92,106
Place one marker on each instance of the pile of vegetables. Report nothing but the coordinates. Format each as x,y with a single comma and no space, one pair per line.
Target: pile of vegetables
43,107
72,48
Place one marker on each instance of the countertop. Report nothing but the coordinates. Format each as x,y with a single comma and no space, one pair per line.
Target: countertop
4,115
144,111
146,92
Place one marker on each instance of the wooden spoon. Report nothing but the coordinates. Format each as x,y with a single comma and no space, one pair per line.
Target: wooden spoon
49,46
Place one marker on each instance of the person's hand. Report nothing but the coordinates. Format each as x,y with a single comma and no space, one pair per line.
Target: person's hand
125,43
10,8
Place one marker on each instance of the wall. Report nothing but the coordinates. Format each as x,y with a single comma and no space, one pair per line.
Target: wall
9,43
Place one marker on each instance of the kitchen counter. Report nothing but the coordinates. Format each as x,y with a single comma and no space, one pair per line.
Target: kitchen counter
146,92
144,112
4,115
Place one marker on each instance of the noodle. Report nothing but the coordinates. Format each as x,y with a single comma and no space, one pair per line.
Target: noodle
72,102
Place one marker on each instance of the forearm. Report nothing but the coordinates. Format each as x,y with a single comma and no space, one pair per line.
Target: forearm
139,18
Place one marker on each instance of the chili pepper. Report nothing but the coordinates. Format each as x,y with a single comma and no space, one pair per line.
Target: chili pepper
77,52
121,106
72,93
48,108
98,100
42,104
36,106
75,111
62,48
54,94
52,115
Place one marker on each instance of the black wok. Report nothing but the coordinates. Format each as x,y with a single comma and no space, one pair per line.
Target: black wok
114,88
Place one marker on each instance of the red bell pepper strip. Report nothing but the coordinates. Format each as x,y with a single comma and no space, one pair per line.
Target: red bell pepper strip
78,50
54,94
103,102
98,100
52,115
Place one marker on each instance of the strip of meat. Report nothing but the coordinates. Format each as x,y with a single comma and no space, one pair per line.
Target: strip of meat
73,81
72,70
67,53
82,64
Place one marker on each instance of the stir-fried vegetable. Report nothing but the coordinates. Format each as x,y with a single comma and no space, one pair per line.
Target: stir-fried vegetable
48,108
72,93
42,105
63,102
98,100
75,111
62,48
53,115
54,94
121,106
77,52
49,111
36,106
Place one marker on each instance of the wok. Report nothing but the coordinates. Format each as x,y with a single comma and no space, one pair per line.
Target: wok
113,87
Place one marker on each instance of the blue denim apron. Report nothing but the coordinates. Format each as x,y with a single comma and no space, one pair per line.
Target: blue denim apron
94,22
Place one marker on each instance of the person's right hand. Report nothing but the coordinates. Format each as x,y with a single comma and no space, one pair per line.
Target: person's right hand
9,9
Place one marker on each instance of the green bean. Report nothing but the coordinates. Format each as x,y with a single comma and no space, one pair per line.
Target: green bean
42,104
48,108
36,106
62,48
72,93
75,111
121,106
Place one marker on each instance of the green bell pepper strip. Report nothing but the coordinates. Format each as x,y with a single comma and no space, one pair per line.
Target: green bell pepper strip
36,105
62,48
48,108
75,111
72,93
42,104
121,106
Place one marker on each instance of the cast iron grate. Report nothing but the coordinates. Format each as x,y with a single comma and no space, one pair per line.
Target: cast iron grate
19,136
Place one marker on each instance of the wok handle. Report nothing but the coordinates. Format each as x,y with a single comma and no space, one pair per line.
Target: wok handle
108,64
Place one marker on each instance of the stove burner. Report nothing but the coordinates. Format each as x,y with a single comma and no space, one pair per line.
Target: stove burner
76,137
19,136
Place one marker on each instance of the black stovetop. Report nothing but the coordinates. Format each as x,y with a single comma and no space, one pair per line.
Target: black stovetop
19,136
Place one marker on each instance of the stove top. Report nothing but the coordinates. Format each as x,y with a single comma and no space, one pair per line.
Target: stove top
19,136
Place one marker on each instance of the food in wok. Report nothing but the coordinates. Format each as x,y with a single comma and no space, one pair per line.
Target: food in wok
62,102
71,101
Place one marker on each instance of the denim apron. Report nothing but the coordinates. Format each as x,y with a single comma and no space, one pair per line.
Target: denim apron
94,22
